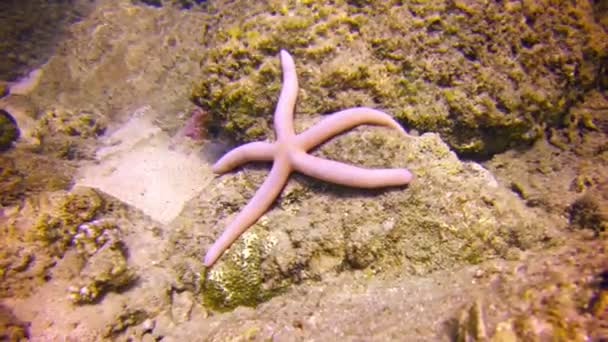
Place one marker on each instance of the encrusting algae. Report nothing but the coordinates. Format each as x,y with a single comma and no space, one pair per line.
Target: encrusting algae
487,78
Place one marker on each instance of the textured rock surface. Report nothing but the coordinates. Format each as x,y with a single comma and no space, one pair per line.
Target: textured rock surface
453,213
35,236
9,132
396,296
486,75
31,29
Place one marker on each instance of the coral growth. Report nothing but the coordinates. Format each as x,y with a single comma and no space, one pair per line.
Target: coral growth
47,229
452,214
487,76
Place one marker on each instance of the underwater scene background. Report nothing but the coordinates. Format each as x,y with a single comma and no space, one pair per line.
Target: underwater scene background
113,113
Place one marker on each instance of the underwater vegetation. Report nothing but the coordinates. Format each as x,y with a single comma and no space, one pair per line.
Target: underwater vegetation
454,213
486,75
590,210
9,132
57,137
54,224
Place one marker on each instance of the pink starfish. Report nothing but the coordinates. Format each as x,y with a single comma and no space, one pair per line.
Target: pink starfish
289,153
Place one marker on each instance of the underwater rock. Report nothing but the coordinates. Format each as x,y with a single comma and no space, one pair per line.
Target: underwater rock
546,299
68,134
21,175
486,76
9,131
56,227
11,328
106,270
130,317
453,213
471,325
23,113
36,236
590,211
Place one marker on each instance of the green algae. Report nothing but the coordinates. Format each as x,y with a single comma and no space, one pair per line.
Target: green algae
9,132
56,229
68,134
486,79
106,270
65,227
21,175
453,214
130,317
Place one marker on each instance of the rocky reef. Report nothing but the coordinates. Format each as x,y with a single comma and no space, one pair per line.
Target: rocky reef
9,132
487,76
64,226
453,214
514,248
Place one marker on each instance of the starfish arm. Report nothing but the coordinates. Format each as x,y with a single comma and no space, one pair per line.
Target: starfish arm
255,151
260,202
344,174
341,121
283,115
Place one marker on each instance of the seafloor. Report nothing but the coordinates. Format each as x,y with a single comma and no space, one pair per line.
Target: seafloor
113,111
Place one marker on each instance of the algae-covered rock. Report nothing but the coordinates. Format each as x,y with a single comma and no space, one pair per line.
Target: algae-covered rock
37,234
590,211
9,132
453,213
11,328
91,236
106,267
548,299
105,270
30,31
72,228
485,75
126,319
69,134
57,227
21,175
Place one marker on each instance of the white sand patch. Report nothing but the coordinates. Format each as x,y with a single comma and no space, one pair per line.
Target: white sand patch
138,167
